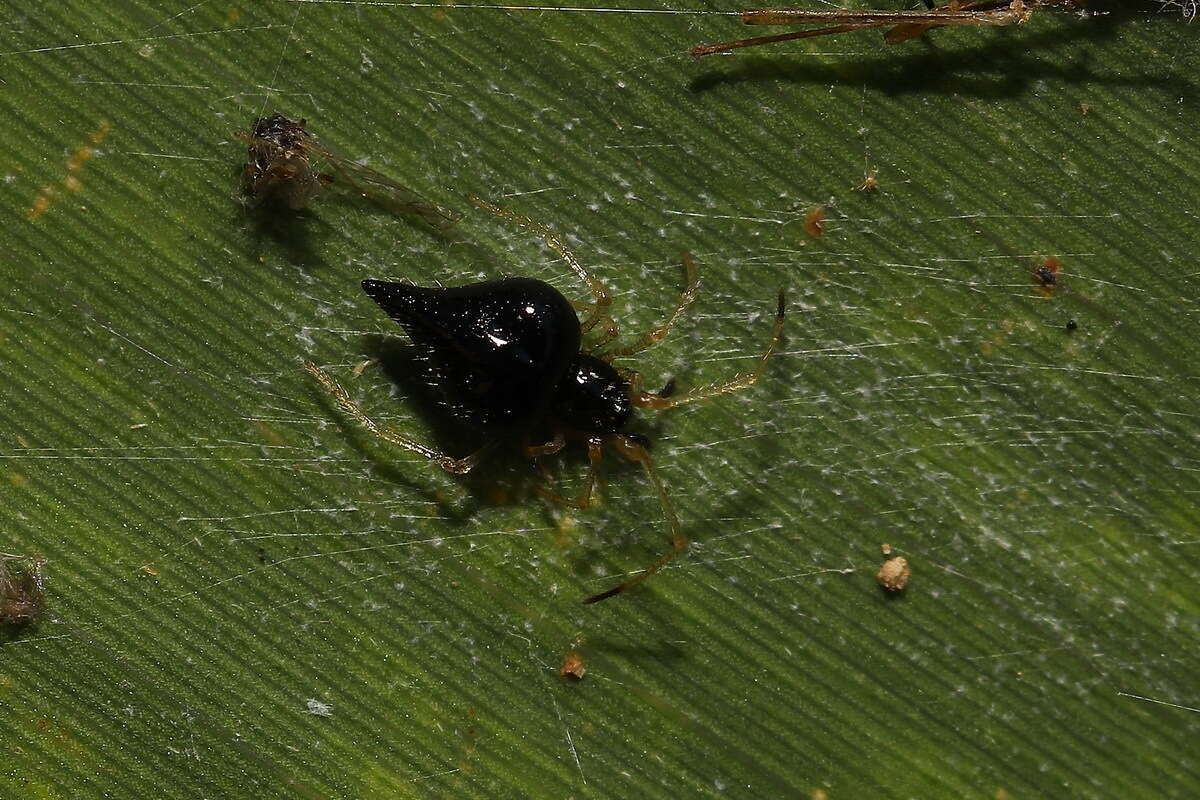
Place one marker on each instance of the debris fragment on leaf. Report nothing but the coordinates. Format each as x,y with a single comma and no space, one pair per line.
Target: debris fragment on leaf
22,590
894,574
572,667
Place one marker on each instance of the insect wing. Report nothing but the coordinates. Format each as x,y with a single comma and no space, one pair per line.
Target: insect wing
383,191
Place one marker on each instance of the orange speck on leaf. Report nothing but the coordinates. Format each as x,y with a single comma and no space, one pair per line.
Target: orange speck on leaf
572,667
71,182
814,222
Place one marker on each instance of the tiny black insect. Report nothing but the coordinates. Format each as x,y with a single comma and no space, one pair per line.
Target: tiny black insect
506,355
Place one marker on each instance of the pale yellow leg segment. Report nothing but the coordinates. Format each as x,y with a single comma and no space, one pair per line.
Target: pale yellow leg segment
552,240
548,449
587,495
635,452
656,335
460,466
740,381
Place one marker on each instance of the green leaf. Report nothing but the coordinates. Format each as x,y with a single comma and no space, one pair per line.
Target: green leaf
249,596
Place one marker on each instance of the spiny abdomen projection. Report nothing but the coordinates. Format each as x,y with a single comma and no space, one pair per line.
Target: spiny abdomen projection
495,352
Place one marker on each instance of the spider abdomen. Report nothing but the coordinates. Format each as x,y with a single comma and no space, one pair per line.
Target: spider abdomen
497,350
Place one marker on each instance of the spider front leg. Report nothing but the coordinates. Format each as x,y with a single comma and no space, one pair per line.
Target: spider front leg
628,447
587,495
601,294
659,402
657,334
459,466
605,321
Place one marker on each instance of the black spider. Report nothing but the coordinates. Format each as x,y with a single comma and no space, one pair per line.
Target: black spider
505,355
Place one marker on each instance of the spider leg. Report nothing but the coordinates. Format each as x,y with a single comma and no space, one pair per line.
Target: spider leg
588,495
610,326
459,466
657,334
548,449
602,297
627,447
659,402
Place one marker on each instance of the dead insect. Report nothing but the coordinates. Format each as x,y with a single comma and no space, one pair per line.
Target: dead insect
506,356
288,167
22,590
901,25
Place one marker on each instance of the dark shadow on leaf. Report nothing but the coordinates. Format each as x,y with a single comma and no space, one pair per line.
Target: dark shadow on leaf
12,631
666,653
294,236
503,478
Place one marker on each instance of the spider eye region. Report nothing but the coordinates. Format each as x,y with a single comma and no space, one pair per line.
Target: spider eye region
593,397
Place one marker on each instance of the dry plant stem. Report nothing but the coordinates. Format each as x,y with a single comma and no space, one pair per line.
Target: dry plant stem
594,284
709,49
904,25
740,381
459,466
978,14
635,452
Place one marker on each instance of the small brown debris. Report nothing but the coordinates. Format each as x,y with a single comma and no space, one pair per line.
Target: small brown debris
572,667
886,549
360,367
1084,109
894,574
139,426
1045,274
22,590
869,183
814,222
149,569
